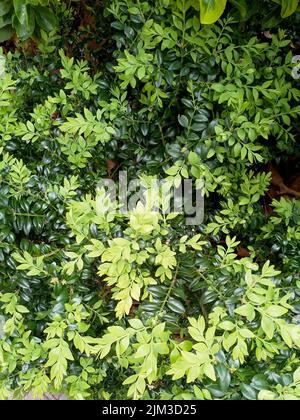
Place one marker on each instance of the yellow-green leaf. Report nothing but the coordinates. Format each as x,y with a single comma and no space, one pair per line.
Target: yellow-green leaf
211,10
288,7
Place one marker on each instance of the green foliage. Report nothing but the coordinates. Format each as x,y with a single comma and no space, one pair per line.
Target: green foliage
97,303
26,18
212,10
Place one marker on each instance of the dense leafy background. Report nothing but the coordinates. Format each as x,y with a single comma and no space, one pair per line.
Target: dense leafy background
99,305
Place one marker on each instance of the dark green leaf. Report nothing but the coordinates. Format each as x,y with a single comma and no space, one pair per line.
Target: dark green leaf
45,18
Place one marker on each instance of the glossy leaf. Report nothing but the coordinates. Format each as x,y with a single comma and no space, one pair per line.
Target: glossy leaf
211,10
288,7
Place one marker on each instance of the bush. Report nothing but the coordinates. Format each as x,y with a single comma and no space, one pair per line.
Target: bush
26,18
100,304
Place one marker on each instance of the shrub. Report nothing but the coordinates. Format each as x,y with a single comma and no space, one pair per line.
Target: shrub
26,18
100,304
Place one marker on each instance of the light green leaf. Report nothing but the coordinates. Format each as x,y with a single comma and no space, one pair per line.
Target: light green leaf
227,325
245,333
191,358
158,330
193,158
296,375
246,310
209,371
268,326
211,10
276,311
264,394
136,324
288,7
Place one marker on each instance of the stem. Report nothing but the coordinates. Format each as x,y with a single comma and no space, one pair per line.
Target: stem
169,292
